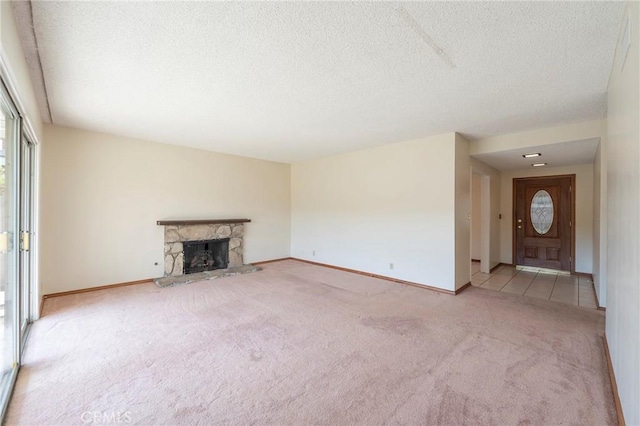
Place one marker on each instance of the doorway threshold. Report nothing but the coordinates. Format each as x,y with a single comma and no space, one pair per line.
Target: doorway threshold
542,270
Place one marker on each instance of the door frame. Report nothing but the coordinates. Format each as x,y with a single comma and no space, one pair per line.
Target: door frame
572,197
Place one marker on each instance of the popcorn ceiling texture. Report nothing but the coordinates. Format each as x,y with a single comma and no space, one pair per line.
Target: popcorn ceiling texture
295,81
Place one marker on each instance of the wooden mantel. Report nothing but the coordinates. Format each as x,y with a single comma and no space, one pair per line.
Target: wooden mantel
201,221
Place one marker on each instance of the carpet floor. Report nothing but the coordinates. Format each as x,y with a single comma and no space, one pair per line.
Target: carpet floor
302,344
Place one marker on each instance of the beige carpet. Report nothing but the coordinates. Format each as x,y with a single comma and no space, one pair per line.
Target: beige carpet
302,344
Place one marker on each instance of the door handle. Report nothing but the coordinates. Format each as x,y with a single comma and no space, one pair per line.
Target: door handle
24,241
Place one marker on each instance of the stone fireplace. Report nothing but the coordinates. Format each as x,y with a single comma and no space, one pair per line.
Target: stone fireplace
208,245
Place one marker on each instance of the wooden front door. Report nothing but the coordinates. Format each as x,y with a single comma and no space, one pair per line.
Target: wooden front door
543,220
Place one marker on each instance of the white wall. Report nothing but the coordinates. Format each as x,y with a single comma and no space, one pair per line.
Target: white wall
393,204
600,224
102,196
623,214
476,215
584,210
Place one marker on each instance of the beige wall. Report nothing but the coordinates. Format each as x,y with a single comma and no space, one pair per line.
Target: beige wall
623,214
462,211
600,224
102,196
476,214
584,210
393,204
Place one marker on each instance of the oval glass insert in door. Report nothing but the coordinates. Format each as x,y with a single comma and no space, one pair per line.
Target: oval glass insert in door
542,212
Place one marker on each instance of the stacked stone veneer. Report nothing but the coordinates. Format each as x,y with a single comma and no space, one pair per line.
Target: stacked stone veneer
174,235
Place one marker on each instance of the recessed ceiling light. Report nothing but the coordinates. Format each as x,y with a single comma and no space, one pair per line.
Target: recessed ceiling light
539,164
533,154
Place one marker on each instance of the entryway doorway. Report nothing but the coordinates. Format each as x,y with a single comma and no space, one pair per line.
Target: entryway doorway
544,217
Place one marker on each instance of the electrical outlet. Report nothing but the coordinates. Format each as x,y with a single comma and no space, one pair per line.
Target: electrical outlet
391,265
314,252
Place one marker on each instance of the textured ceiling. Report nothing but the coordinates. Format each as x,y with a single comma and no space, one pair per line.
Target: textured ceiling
295,81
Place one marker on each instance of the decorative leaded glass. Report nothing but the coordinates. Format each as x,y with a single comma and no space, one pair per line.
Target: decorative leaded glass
542,212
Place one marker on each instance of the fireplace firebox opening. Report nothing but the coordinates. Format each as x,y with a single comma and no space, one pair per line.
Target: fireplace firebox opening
205,255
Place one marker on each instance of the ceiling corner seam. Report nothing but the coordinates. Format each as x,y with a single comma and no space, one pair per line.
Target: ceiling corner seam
37,53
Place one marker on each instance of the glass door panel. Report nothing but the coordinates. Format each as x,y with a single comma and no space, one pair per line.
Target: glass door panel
26,187
9,125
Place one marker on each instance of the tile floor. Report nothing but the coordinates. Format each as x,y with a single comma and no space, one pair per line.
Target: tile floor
532,282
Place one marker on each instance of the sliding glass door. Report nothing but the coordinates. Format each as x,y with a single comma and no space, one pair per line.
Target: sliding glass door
17,167
9,294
